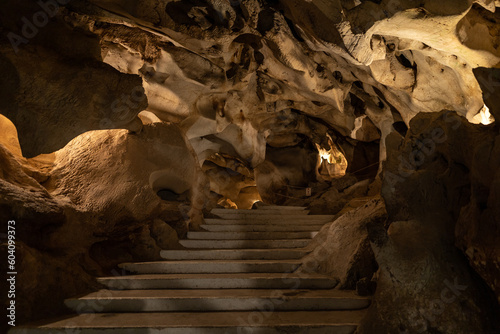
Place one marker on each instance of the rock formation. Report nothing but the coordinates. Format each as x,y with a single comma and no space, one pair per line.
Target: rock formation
122,123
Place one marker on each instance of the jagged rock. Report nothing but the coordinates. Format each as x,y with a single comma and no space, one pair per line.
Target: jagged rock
89,165
164,235
430,176
42,85
449,151
424,285
236,101
342,248
290,69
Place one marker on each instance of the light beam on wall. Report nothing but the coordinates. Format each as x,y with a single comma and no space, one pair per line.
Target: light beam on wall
484,116
324,154
332,163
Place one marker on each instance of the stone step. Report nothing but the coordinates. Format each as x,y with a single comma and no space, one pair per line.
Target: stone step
259,212
215,300
304,322
277,207
239,279
250,235
315,220
225,244
234,254
220,281
211,266
261,228
277,217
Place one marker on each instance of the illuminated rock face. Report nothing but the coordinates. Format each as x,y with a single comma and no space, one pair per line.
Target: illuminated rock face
107,171
93,204
55,86
239,75
151,112
243,74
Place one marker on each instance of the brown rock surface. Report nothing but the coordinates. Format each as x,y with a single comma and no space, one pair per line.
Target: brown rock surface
342,248
249,100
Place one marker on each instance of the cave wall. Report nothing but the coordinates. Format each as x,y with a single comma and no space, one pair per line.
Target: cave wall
227,102
435,275
82,210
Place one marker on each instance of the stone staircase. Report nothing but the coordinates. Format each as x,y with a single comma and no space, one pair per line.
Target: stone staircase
237,276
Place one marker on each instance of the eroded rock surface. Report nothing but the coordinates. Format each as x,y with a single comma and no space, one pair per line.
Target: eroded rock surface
342,248
86,208
432,182
150,113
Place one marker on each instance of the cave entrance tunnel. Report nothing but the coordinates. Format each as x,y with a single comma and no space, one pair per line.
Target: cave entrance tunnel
290,175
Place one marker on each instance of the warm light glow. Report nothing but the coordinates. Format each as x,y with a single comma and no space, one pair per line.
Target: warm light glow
227,203
484,116
332,162
325,155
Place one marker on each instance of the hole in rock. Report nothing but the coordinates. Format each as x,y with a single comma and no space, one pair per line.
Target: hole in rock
401,128
166,183
259,57
266,21
404,61
358,84
232,71
358,104
250,39
338,76
167,195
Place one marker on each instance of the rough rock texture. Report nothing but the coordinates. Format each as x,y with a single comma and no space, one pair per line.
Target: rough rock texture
342,248
123,170
116,175
91,205
424,285
38,216
439,194
54,89
241,75
446,157
230,102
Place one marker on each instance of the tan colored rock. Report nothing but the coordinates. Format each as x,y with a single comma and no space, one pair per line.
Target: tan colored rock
444,204
239,93
9,137
342,249
50,109
118,174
